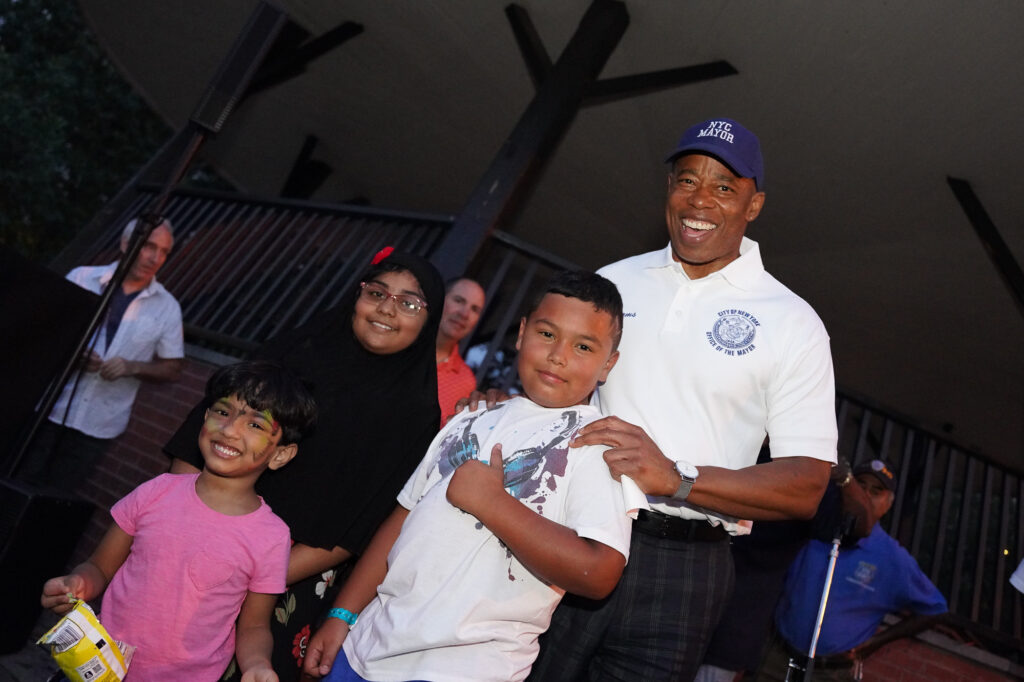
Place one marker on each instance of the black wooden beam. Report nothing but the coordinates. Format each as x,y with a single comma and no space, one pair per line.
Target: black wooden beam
612,89
538,63
986,230
233,78
515,170
307,174
289,59
292,35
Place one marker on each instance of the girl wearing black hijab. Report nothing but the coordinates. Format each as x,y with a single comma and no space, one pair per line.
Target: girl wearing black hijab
370,365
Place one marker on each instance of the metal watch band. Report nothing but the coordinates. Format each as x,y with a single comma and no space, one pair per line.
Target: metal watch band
683,491
686,480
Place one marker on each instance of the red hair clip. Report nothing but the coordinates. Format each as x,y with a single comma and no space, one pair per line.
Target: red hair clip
382,254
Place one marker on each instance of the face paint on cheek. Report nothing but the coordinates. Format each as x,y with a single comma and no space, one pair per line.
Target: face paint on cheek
212,423
274,426
215,422
260,445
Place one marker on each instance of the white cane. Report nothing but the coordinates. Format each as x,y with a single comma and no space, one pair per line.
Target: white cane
845,528
832,556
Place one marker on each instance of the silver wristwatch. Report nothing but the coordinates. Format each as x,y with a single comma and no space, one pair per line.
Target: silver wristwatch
688,473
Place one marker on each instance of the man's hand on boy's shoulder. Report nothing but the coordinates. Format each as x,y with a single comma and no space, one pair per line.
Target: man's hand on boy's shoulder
474,484
631,452
492,397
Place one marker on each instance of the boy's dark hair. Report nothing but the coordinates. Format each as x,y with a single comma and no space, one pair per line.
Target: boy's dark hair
590,287
267,386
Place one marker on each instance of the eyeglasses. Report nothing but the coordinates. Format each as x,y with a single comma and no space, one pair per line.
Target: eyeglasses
407,304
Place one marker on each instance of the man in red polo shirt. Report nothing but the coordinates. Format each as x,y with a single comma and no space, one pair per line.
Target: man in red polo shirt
463,303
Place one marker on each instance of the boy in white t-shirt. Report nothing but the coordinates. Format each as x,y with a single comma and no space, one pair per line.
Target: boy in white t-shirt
463,577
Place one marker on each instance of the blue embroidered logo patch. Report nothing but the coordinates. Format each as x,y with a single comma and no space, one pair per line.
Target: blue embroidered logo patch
864,575
733,332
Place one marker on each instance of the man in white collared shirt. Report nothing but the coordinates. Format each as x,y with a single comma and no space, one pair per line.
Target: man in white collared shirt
141,339
716,354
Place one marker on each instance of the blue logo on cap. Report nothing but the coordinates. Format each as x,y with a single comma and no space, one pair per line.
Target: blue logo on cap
730,142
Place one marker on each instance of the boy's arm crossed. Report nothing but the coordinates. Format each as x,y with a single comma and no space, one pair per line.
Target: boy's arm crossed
88,580
253,640
550,550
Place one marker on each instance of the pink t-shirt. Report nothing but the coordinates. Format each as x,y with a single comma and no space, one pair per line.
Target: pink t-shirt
178,594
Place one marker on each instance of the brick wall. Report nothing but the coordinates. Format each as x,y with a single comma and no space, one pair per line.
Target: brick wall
912,660
135,456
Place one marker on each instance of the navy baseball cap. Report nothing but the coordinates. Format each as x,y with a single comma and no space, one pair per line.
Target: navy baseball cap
880,470
727,141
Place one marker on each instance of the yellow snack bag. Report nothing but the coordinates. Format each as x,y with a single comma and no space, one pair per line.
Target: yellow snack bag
84,650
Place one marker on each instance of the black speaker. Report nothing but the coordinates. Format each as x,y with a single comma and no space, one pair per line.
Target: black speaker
44,316
39,529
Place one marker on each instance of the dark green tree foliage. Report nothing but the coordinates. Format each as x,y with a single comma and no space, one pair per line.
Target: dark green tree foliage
72,131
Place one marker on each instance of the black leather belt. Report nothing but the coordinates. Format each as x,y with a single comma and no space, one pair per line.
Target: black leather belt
838,661
674,528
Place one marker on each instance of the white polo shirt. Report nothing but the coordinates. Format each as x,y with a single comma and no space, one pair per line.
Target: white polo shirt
151,327
709,366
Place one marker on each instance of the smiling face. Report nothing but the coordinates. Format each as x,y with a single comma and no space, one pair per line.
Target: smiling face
565,347
707,211
462,307
240,442
378,324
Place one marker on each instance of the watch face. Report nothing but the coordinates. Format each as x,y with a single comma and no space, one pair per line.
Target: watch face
686,470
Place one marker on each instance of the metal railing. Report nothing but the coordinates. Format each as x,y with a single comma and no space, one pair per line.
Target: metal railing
244,268
957,512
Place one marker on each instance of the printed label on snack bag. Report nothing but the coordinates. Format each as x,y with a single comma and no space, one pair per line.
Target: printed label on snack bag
83,649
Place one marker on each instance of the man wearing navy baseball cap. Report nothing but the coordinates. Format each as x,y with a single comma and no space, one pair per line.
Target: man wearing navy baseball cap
716,354
872,576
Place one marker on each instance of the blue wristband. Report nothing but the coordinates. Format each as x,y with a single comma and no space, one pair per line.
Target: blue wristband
343,614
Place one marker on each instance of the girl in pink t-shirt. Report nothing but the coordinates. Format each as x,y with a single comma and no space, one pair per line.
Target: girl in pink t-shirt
189,554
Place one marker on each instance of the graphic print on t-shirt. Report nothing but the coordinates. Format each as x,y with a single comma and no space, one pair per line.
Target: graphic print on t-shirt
532,472
461,446
529,471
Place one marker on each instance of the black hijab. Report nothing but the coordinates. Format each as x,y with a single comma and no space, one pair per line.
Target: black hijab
378,414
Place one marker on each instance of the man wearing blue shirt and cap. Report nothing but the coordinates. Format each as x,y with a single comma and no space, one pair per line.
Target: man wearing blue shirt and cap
873,577
716,355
